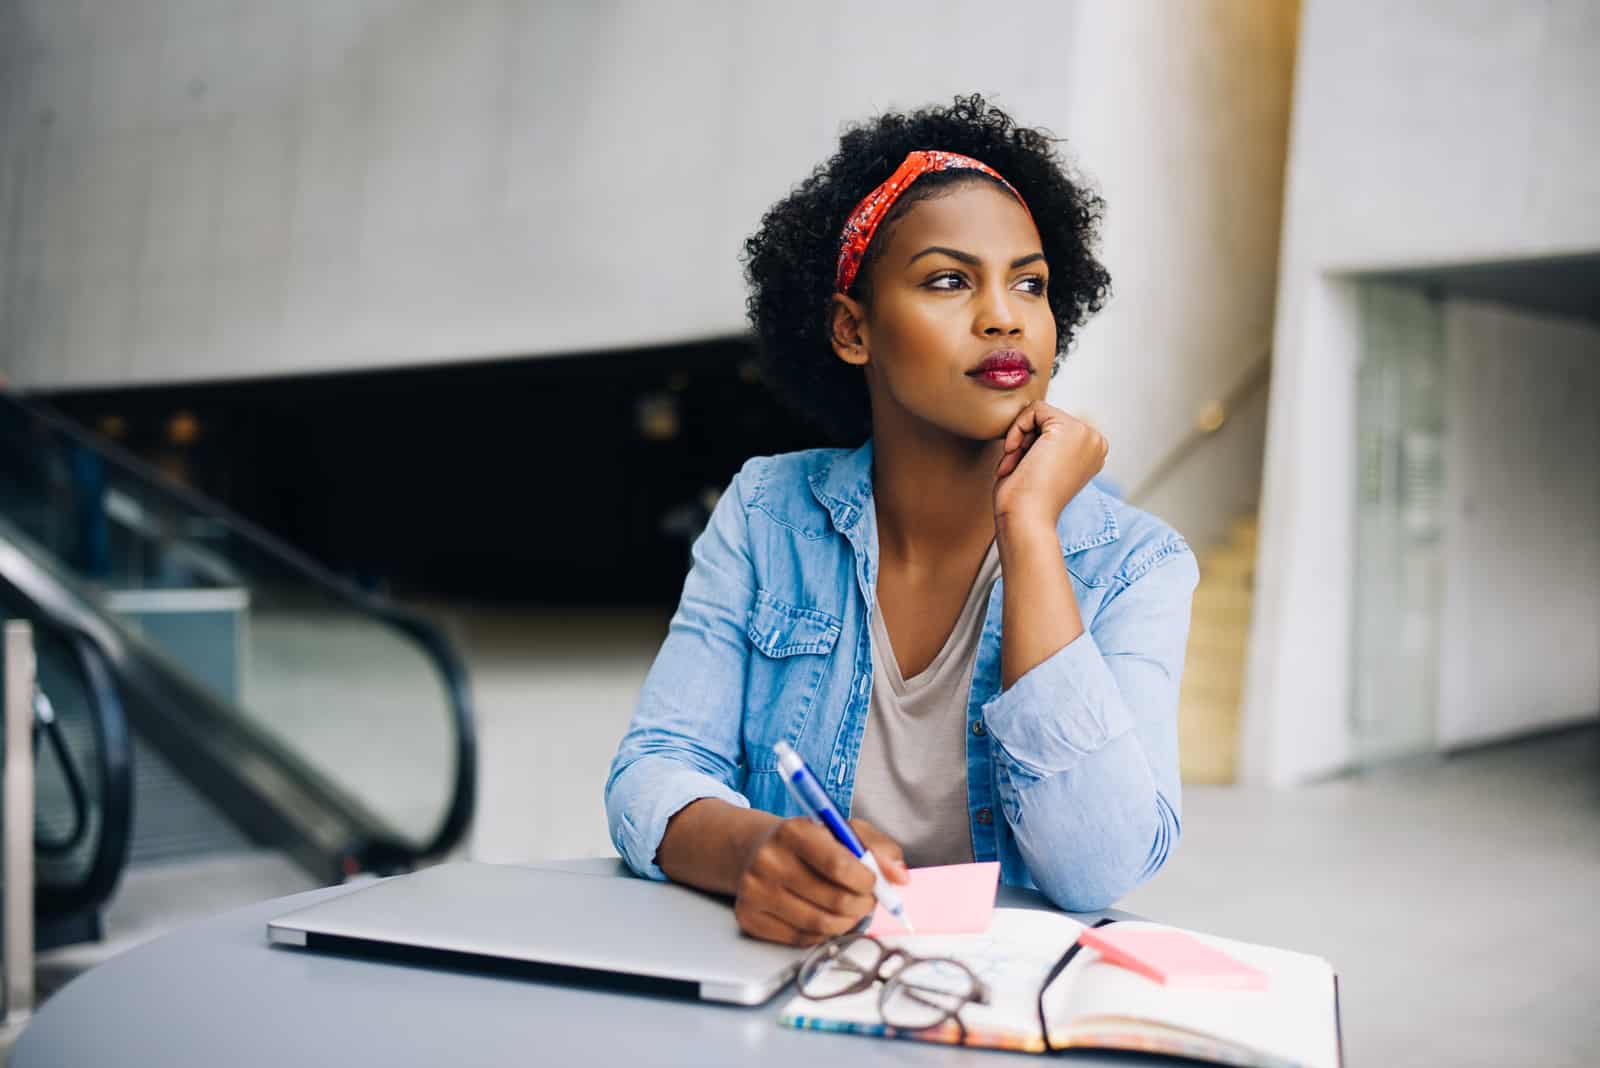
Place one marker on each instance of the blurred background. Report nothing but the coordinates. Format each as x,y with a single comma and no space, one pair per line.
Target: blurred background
371,366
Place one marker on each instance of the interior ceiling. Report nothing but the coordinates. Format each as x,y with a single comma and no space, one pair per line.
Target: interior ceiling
1567,286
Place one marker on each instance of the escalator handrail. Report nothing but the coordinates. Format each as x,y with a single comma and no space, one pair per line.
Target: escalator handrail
116,785
458,814
287,802
271,794
114,770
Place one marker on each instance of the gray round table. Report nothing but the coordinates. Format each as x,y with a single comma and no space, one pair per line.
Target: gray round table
216,993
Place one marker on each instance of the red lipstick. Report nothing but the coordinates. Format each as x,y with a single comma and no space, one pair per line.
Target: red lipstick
1003,369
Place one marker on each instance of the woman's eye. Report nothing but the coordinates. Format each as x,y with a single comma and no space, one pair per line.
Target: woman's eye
1034,284
949,280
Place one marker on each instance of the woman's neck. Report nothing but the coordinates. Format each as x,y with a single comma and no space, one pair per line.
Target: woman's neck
934,493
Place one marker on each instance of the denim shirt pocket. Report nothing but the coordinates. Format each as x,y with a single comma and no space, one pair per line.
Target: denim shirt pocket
792,646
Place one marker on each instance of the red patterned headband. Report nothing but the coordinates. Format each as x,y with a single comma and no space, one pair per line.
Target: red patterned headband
863,221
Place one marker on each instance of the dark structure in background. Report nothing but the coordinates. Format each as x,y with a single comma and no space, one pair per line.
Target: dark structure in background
559,480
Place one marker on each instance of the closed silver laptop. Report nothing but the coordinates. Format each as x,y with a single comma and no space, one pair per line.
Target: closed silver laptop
549,924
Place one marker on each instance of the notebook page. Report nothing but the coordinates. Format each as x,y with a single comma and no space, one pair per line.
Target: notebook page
1012,958
1290,1022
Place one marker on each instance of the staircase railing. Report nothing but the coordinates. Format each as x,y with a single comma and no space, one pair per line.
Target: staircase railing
1211,418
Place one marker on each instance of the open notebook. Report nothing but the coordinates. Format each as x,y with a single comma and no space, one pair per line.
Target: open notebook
1094,1004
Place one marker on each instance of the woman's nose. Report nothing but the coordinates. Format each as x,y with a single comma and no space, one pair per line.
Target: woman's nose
996,316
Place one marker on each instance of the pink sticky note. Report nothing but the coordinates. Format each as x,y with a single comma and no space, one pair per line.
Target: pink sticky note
1173,958
952,899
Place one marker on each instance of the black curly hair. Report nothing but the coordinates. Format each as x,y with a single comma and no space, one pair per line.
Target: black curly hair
790,260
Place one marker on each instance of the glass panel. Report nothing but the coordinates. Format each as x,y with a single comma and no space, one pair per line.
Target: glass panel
287,647
1399,569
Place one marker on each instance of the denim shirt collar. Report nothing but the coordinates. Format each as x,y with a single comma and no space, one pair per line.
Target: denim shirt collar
844,488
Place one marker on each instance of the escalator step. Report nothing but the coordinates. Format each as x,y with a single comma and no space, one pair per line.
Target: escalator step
170,819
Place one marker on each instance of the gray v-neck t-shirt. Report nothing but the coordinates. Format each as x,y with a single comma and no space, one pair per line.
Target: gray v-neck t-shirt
911,778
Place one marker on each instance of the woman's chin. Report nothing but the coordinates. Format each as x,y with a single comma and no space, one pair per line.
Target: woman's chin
983,422
986,430
997,419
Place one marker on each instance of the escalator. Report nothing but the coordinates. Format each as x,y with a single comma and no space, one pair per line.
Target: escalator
204,687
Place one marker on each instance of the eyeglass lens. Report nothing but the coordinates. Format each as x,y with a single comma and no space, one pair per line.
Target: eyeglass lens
925,993
842,967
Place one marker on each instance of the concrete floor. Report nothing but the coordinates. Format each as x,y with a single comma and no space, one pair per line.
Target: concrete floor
1455,897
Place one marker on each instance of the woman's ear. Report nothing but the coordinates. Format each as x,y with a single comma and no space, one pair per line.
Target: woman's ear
847,329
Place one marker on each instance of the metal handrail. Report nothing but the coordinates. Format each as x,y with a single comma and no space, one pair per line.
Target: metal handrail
458,815
114,770
1211,418
16,824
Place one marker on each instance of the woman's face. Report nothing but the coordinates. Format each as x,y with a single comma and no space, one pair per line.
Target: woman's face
957,333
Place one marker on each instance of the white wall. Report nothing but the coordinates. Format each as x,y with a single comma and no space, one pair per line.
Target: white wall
204,190
1181,113
1519,646
1422,132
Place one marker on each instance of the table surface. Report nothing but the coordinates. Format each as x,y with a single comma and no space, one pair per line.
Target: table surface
216,993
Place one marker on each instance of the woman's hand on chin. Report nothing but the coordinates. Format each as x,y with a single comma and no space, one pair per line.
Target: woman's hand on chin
1049,457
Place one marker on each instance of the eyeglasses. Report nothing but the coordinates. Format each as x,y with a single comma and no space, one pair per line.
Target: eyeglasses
918,992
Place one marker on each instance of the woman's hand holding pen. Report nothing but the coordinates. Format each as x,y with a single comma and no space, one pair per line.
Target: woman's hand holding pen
800,886
1049,457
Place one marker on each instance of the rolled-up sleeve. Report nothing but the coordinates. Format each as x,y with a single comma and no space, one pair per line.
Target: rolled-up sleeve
684,741
1087,743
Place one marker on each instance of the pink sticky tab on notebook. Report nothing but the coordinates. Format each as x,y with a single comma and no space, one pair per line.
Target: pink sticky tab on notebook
952,899
1173,958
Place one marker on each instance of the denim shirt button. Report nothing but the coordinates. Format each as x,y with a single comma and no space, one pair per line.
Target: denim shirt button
984,816
977,728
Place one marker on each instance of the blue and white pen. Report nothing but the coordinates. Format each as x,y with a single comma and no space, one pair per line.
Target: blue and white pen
808,793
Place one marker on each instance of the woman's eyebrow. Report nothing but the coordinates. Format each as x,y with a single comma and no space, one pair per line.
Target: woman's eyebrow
969,258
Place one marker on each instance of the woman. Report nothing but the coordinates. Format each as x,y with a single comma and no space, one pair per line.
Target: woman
975,648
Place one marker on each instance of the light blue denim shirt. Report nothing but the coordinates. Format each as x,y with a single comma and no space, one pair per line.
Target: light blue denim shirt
1072,773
